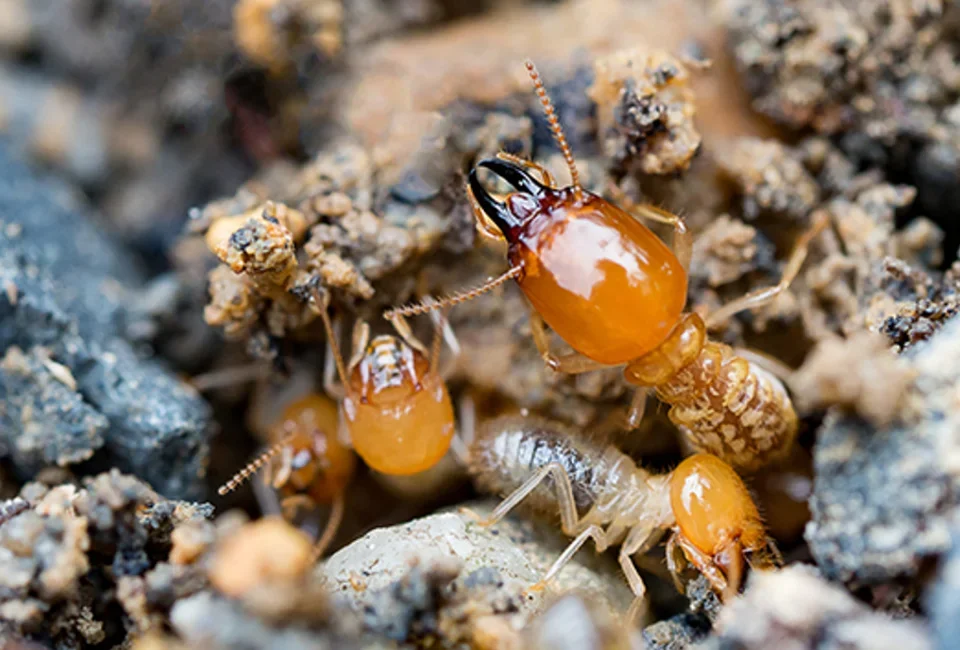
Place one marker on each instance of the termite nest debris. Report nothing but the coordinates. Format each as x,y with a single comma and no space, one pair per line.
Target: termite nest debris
209,180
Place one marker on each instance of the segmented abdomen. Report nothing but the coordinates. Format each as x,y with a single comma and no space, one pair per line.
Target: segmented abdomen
510,450
731,408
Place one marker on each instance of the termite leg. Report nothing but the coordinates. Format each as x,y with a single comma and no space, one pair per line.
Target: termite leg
775,367
333,363
442,333
572,363
330,385
638,406
569,520
764,296
767,558
444,329
638,608
466,430
682,243
639,539
330,530
320,304
704,564
600,538
358,343
291,505
546,177
331,367
402,327
671,556
227,377
734,557
774,552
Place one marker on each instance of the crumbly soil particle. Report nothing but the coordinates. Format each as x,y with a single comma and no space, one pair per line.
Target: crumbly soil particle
63,549
885,495
881,79
797,608
859,374
247,158
645,110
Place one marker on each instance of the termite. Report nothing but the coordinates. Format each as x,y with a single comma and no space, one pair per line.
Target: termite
307,464
703,501
610,288
395,410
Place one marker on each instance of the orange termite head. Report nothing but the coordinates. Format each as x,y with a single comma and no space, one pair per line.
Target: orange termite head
307,458
531,198
397,409
314,461
716,516
713,506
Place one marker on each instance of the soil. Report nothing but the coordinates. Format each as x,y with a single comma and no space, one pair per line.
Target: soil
181,182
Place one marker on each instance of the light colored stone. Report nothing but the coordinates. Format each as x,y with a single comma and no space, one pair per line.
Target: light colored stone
521,550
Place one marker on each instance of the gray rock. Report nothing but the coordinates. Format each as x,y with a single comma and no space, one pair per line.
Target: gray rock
884,498
63,287
521,551
56,425
676,633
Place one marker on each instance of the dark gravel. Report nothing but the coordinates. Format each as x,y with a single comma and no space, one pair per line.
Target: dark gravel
65,285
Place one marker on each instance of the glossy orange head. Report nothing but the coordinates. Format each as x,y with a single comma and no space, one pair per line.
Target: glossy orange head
713,507
600,278
397,410
314,462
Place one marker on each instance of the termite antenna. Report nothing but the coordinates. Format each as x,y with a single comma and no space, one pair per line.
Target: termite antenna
554,121
428,304
440,321
253,467
321,302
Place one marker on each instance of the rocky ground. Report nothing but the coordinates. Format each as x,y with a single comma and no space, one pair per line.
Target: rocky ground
177,178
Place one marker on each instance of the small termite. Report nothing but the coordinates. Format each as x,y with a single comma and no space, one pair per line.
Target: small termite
395,410
307,464
616,293
717,522
703,501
